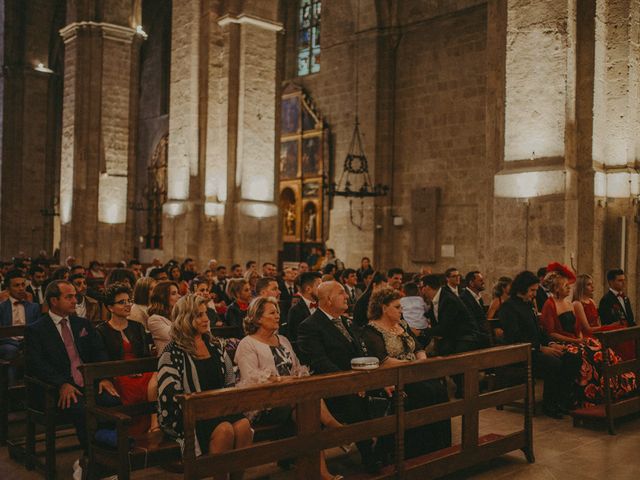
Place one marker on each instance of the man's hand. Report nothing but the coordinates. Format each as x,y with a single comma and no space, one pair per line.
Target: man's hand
551,351
68,394
389,390
108,387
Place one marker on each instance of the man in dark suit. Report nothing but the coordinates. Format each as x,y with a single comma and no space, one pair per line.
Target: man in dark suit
36,285
15,311
542,294
327,344
56,345
615,306
220,286
349,279
288,290
450,319
472,299
306,305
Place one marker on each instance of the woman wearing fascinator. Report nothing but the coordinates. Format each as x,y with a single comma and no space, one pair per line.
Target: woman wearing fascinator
559,321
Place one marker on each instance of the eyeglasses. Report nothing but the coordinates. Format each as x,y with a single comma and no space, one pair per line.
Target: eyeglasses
124,302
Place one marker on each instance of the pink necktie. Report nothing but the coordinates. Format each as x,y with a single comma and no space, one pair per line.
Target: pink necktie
74,358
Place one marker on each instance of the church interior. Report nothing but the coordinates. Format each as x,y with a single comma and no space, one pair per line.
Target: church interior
428,136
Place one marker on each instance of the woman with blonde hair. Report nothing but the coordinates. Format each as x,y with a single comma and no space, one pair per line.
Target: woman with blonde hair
239,291
252,277
196,361
501,291
584,306
264,354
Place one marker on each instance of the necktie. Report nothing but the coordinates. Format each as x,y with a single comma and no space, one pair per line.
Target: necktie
18,302
37,292
74,358
340,326
292,291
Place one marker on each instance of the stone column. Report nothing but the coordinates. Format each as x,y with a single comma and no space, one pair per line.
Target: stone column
535,187
101,62
182,212
251,137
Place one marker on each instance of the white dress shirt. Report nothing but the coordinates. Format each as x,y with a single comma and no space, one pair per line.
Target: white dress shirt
18,316
620,299
56,321
435,301
309,302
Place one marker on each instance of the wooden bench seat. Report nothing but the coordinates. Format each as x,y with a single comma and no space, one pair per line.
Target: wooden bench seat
613,409
310,439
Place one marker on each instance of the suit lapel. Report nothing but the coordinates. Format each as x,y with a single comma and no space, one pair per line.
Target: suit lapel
53,334
330,327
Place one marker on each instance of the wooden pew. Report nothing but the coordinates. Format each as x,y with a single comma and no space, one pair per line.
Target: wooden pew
612,408
8,392
149,449
310,439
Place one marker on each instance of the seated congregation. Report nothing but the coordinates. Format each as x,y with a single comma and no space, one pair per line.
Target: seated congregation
310,320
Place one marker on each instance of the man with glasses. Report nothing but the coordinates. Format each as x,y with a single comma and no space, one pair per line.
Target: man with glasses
453,279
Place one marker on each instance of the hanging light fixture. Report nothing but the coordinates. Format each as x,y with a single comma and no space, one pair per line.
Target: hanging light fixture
355,181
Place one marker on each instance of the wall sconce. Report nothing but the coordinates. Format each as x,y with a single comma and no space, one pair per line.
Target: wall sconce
41,68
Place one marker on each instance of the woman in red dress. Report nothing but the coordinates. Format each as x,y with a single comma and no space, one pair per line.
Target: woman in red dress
584,306
127,340
560,323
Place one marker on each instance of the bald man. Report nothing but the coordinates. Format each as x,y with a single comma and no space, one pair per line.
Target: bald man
327,344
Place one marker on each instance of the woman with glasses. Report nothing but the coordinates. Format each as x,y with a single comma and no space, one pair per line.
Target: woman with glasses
127,340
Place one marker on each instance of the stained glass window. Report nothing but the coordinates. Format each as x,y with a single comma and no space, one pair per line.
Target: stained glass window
309,37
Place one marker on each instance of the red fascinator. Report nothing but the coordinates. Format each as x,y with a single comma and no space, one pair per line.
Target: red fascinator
562,270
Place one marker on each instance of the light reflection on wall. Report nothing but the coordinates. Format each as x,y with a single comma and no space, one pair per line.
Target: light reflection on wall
622,184
529,184
214,209
112,199
258,187
258,209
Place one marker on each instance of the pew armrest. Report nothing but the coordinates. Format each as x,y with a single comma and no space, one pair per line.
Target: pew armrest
109,415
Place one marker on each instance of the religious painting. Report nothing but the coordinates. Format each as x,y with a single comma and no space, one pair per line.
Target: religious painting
310,221
290,115
289,159
311,155
311,189
289,214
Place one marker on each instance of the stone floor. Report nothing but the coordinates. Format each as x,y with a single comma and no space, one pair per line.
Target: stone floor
562,452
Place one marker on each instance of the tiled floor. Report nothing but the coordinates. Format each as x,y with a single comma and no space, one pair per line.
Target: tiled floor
562,452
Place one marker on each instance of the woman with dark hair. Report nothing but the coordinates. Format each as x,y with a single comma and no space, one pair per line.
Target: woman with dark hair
163,297
175,275
365,269
388,337
500,295
200,286
121,275
550,361
239,291
195,361
127,340
361,307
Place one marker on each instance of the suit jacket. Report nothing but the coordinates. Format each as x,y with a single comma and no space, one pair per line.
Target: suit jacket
219,289
610,310
360,308
46,356
286,298
479,315
297,314
31,290
93,309
112,340
520,323
541,298
455,324
31,313
350,300
324,348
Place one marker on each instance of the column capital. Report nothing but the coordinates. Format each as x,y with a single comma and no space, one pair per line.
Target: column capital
244,19
109,31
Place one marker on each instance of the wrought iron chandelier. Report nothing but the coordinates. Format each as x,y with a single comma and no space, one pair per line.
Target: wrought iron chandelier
355,181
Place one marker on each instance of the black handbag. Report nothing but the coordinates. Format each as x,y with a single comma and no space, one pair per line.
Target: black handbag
379,404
